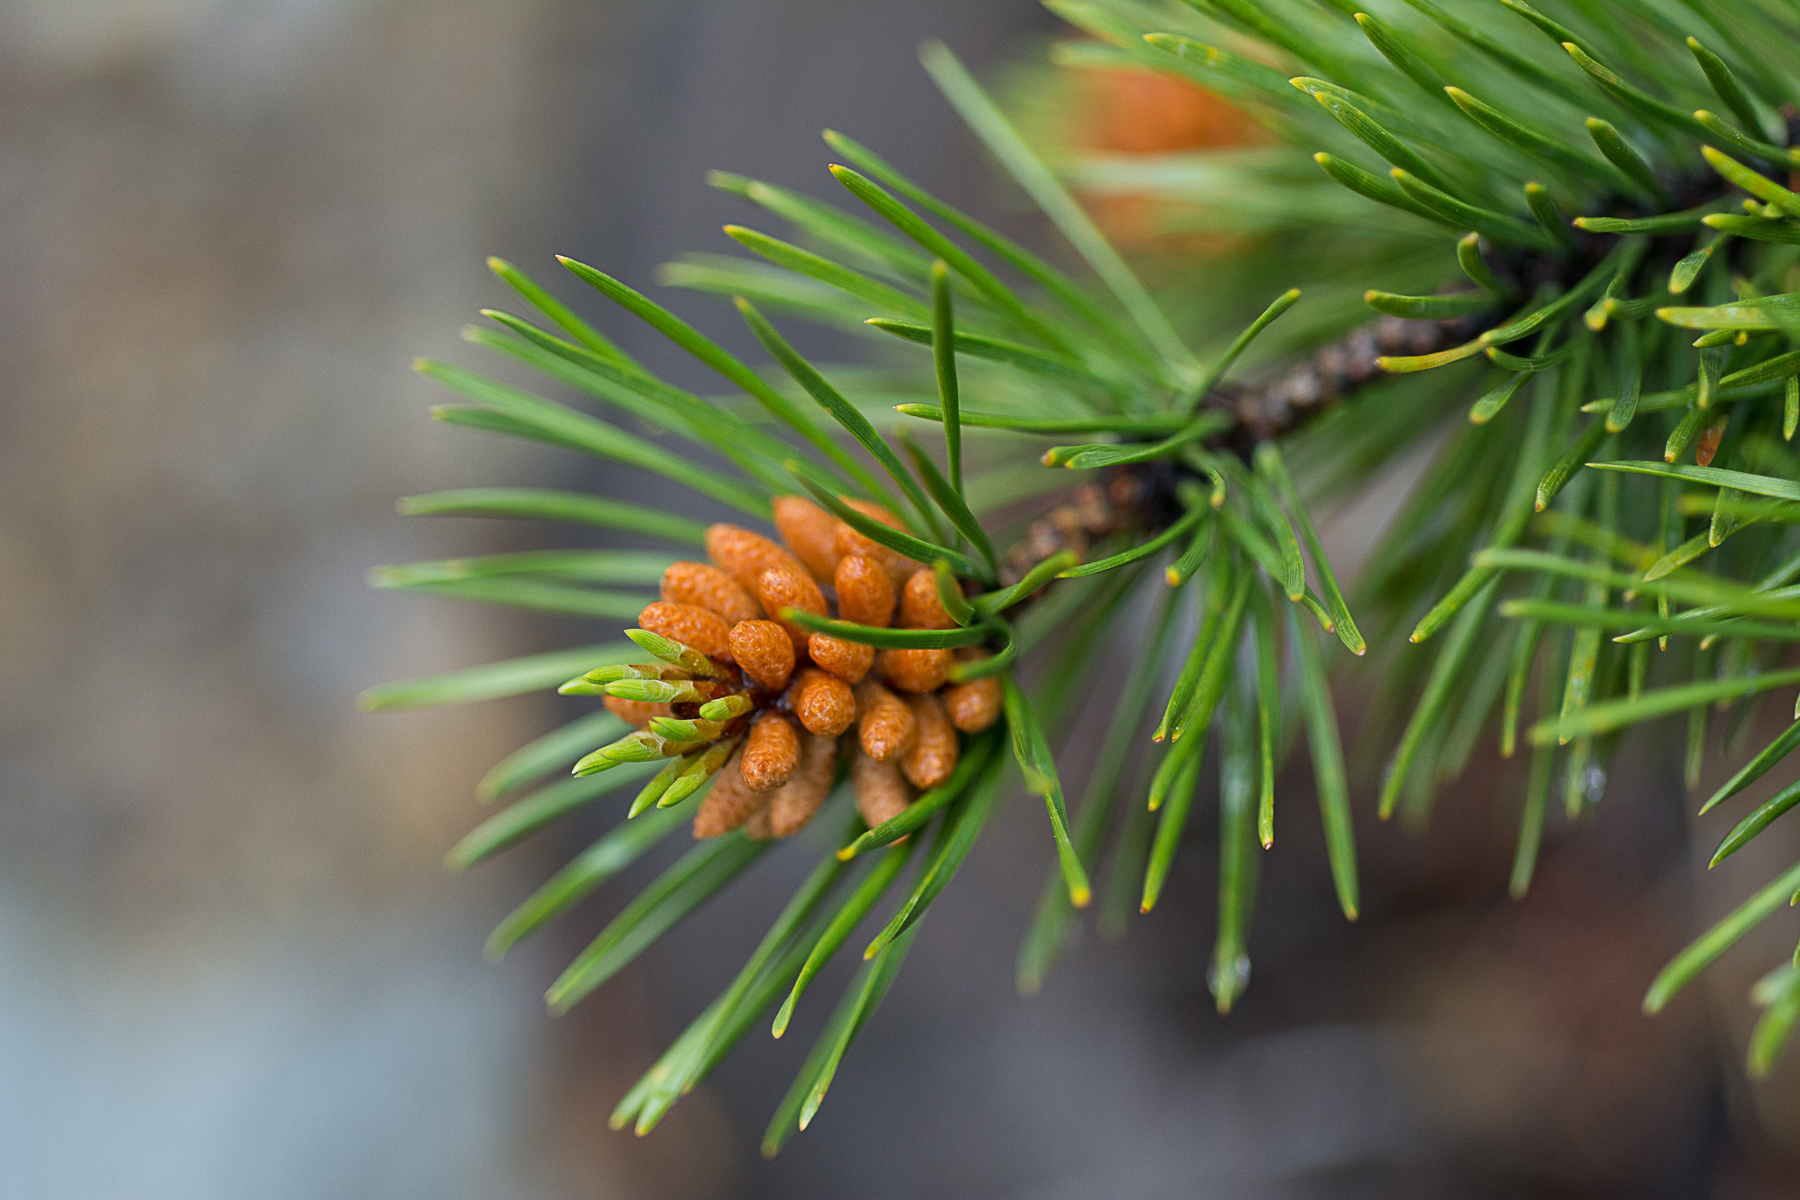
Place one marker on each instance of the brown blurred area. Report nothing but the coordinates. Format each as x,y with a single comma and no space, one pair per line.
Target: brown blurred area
1127,111
230,962
1141,112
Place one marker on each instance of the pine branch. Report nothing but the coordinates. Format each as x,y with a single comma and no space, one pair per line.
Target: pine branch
862,662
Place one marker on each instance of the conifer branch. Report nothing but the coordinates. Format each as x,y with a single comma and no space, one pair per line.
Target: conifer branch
863,661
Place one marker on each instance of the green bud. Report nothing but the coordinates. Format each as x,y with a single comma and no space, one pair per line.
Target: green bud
726,708
671,651
678,730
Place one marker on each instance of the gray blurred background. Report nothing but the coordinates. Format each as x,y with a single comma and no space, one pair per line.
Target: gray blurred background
230,963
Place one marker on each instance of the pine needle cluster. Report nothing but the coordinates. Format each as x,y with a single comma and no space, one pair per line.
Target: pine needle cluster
1580,221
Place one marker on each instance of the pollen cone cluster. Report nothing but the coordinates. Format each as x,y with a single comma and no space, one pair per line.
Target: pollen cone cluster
743,696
